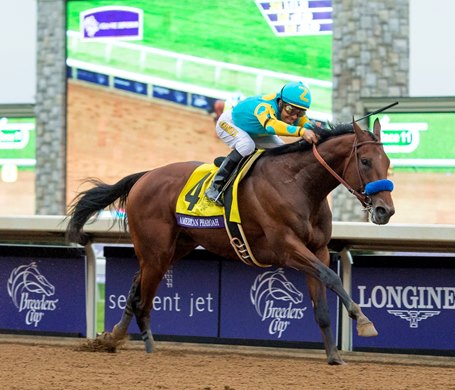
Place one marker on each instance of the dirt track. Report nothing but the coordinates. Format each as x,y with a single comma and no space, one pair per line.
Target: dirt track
59,365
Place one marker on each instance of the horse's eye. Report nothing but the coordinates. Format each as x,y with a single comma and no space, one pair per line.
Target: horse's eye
365,162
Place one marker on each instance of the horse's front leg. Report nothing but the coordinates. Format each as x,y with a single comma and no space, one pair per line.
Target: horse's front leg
318,295
300,257
365,327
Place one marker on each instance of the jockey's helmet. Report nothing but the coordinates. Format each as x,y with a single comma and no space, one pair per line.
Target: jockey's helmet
297,94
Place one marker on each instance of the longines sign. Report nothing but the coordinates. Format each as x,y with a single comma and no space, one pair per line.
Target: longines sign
412,308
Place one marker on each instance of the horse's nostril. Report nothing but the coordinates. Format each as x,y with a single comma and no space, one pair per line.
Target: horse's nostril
381,214
381,211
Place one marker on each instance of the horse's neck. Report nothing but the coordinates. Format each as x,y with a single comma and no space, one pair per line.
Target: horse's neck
336,152
310,175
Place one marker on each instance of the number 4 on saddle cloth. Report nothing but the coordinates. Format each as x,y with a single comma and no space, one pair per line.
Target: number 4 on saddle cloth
194,210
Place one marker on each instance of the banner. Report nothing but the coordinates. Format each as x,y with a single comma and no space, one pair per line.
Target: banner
204,295
412,308
269,304
42,290
186,303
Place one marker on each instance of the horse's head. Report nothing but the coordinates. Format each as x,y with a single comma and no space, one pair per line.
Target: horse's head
366,170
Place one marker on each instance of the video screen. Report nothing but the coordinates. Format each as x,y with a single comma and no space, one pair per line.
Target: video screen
17,162
419,142
143,76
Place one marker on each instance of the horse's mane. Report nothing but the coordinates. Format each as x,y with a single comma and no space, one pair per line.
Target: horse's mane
334,130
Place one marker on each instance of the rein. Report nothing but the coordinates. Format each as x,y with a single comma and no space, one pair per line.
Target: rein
364,199
366,189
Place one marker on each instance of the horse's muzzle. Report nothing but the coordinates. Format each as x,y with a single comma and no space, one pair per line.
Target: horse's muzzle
381,213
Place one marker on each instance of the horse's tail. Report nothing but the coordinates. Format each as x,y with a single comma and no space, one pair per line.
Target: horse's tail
91,202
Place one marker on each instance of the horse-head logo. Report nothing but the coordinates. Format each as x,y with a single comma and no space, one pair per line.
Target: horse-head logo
28,278
273,285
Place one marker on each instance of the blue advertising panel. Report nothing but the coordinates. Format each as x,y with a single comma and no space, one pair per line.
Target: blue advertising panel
92,77
268,304
187,300
287,18
115,22
412,308
130,86
172,95
42,290
202,102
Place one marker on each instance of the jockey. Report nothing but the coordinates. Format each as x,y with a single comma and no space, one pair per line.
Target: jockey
257,122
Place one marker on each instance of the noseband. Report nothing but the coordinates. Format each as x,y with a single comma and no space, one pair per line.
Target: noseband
366,190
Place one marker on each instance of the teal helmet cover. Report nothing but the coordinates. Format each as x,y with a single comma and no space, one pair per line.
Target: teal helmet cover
296,93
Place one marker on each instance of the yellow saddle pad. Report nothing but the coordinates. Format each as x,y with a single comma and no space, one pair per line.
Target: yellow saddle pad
194,210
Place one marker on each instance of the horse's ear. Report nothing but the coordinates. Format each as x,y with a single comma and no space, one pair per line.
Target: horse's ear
358,131
377,129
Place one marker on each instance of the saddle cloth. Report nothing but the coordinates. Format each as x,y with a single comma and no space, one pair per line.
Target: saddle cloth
194,210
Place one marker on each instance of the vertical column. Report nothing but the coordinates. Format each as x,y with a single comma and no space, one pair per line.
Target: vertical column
50,109
370,59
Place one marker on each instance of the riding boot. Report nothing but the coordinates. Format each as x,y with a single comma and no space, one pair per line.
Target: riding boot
213,193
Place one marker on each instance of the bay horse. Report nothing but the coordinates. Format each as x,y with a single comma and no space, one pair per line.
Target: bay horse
285,216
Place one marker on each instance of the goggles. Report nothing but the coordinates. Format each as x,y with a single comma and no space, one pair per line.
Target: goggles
292,110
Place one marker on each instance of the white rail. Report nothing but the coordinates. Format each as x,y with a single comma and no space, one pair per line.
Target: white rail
75,42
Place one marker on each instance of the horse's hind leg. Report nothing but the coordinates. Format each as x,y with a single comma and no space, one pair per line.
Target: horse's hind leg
153,269
150,279
121,328
111,340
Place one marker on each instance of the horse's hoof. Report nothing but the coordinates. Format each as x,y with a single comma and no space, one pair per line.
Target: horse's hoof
103,342
336,361
366,330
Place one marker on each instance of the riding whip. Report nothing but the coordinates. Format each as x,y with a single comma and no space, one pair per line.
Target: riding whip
377,111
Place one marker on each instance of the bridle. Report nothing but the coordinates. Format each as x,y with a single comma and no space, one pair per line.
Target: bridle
361,194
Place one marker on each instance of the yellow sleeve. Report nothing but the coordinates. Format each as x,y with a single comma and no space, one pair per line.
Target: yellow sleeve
272,125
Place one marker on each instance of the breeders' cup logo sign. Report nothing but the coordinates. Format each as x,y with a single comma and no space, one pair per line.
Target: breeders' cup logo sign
112,22
274,298
410,303
30,291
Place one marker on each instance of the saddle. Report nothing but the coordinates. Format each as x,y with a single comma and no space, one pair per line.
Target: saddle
194,210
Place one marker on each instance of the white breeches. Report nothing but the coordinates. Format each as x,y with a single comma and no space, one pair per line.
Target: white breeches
239,139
